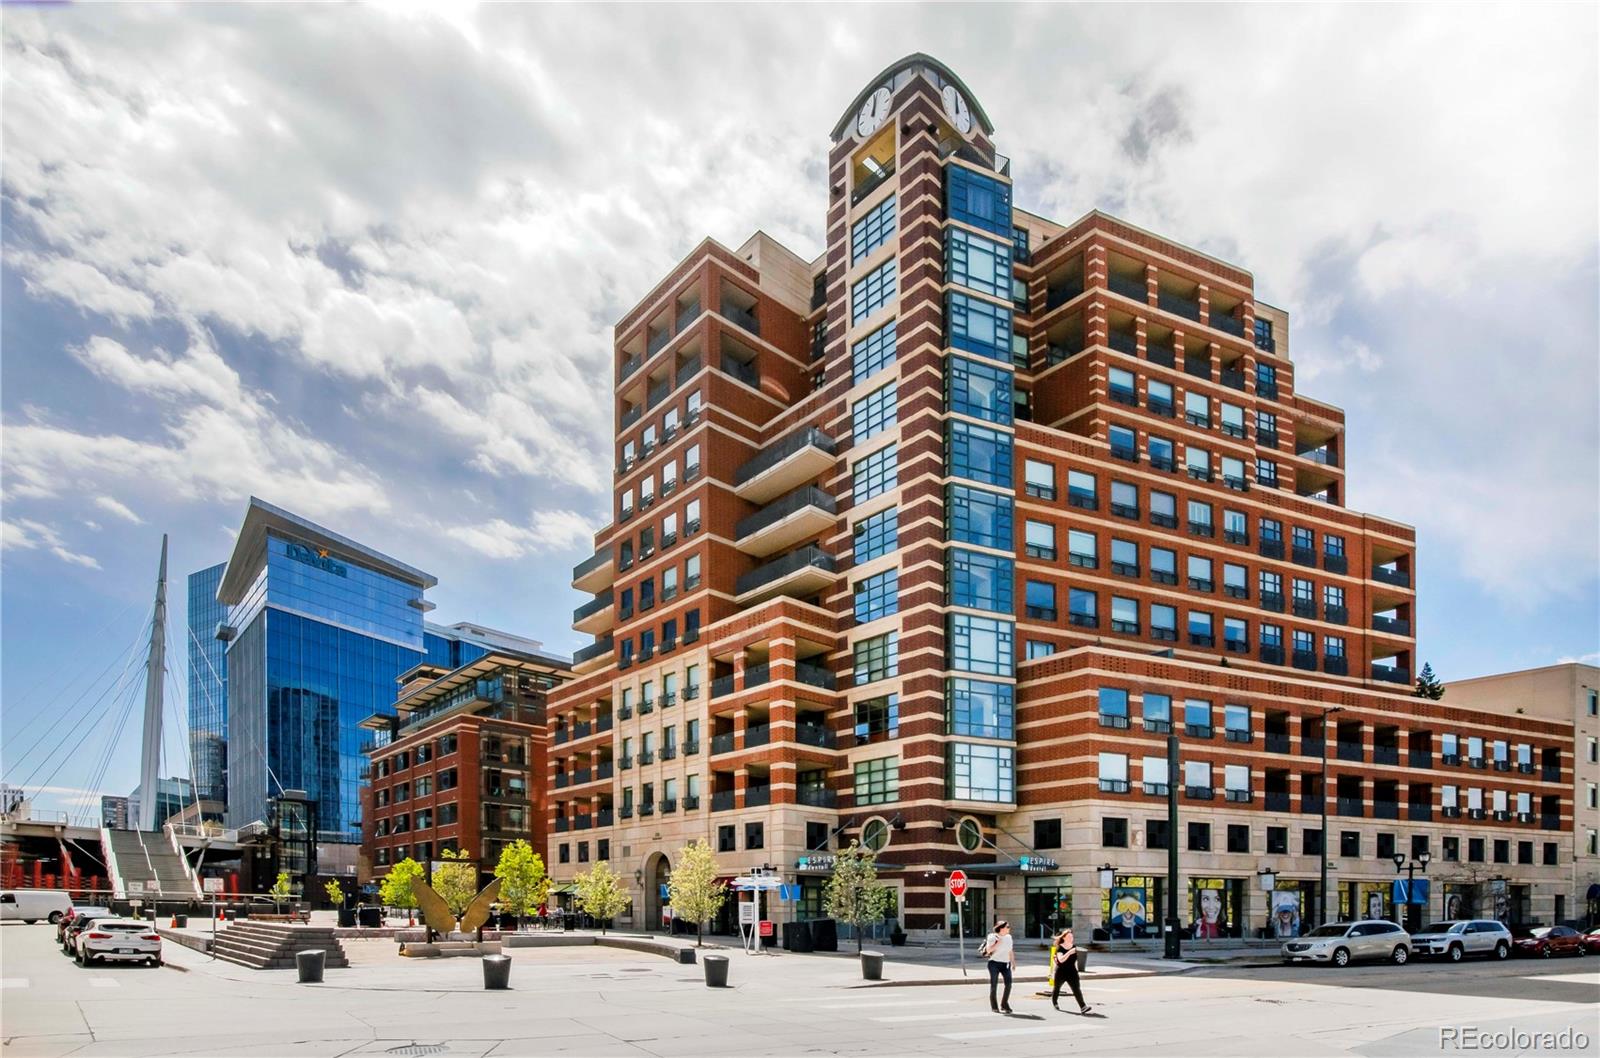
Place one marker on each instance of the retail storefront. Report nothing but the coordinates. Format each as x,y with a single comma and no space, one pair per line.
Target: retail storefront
1216,908
1132,908
1047,905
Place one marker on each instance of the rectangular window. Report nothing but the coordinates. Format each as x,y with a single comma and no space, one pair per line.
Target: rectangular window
877,781
977,263
1124,557
1039,479
1124,499
1232,420
1047,833
1157,710
877,658
1082,549
979,517
978,326
1200,837
982,773
1197,409
1163,622
874,475
873,230
1039,540
985,645
873,291
978,453
1199,573
1123,443
1081,490
981,581
1040,601
877,718
873,414
1164,509
1236,634
1158,397
978,200
877,596
1113,772
1200,518
1113,707
877,535
1124,615
1121,383
1161,452
981,710
1197,717
873,353
1083,608
979,390
1236,780
1236,721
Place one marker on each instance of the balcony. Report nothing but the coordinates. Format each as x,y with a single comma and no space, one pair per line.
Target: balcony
1305,660
867,185
691,802
626,811
625,712
815,735
647,756
1123,342
1385,810
722,801
757,796
1390,674
1198,366
757,735
1134,288
785,465
1277,742
1273,601
1233,378
1270,548
1349,806
603,770
595,573
1164,355
690,747
668,805
757,675
590,657
1179,305
1391,575
799,574
1277,801
647,809
1335,614
721,686
817,797
815,676
1336,664
1419,813
597,615
800,515
1386,754
1395,626
625,763
722,743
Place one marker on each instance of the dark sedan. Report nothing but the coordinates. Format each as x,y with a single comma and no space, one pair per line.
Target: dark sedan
1547,941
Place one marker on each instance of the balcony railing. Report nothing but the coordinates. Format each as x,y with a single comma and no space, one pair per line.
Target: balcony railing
815,676
722,801
598,649
1349,806
1419,813
757,735
1276,742
1385,810
722,743
1062,293
746,373
1393,625
1277,801
721,685
1386,575
1130,287
799,440
783,507
817,797
808,556
1386,754
745,318
756,796
1390,674
1179,305
870,184
815,735
595,561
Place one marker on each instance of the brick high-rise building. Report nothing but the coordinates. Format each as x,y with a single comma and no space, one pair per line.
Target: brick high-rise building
930,541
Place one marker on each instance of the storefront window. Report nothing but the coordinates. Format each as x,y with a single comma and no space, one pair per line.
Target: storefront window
1048,905
1214,907
1131,908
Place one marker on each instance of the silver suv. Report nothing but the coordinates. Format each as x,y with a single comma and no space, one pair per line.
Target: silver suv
1457,940
1340,942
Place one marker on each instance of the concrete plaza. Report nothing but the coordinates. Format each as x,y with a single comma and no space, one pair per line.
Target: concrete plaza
602,1001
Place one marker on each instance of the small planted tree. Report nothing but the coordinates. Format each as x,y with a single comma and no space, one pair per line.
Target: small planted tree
335,893
693,887
523,882
456,880
396,888
853,894
281,890
1428,685
601,894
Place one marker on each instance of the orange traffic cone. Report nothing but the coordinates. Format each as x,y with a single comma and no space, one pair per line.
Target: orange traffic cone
220,916
174,922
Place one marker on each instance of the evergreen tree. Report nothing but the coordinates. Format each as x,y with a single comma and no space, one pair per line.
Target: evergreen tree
601,894
853,894
523,882
1428,685
693,887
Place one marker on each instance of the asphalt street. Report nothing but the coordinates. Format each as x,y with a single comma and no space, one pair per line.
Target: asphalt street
599,1001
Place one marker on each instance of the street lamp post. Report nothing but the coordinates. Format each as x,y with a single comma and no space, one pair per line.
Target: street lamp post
1410,868
1172,944
1322,890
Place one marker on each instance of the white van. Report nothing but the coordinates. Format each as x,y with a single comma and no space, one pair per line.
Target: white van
31,905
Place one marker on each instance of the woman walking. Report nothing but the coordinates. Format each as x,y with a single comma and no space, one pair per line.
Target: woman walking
1001,952
1066,970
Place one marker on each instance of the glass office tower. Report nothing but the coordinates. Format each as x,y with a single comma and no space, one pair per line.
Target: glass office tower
208,685
319,628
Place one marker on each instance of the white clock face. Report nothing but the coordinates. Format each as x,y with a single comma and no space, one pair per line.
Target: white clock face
956,107
874,112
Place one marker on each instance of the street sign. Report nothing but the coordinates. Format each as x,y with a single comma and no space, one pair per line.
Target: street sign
135,887
211,885
766,927
747,913
957,883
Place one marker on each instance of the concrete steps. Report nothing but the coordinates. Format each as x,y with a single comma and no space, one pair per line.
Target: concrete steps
272,945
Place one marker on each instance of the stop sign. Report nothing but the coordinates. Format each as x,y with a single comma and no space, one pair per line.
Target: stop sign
957,883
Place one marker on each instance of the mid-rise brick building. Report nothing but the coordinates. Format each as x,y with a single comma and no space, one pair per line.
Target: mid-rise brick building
462,765
931,541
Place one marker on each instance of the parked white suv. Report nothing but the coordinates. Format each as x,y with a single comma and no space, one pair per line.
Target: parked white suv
1341,942
1457,940
119,940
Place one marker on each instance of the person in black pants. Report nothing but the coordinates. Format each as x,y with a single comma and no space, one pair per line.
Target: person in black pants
1066,970
1001,952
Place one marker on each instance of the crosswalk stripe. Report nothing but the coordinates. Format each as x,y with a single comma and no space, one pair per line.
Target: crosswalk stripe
937,1014
880,1004
993,1034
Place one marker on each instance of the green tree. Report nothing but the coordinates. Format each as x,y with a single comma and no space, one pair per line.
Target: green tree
1428,685
281,890
456,880
853,894
395,891
601,894
693,887
335,893
523,882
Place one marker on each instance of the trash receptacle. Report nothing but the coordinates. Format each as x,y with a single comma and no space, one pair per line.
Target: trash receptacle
872,966
231,914
1083,959
716,970
310,964
182,921
824,934
797,936
497,971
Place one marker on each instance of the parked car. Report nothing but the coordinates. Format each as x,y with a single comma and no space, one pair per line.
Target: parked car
80,921
1591,941
1457,940
1545,941
31,905
119,940
72,913
1340,943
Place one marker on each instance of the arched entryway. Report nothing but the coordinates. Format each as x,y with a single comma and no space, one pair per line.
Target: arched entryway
656,872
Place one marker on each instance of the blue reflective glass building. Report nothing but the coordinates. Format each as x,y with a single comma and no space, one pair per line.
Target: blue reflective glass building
318,629
208,685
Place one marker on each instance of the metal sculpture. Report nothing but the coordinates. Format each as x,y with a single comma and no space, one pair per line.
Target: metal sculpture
440,919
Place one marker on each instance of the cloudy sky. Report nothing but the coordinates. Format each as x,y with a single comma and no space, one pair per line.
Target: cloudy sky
364,263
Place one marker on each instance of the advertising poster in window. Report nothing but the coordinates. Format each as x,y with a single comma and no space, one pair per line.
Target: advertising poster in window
1502,902
1212,903
1129,912
1286,913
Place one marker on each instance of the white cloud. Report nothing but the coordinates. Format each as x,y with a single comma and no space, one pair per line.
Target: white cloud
118,508
27,535
546,531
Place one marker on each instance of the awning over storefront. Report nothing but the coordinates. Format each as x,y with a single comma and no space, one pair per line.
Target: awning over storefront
1022,865
1594,891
